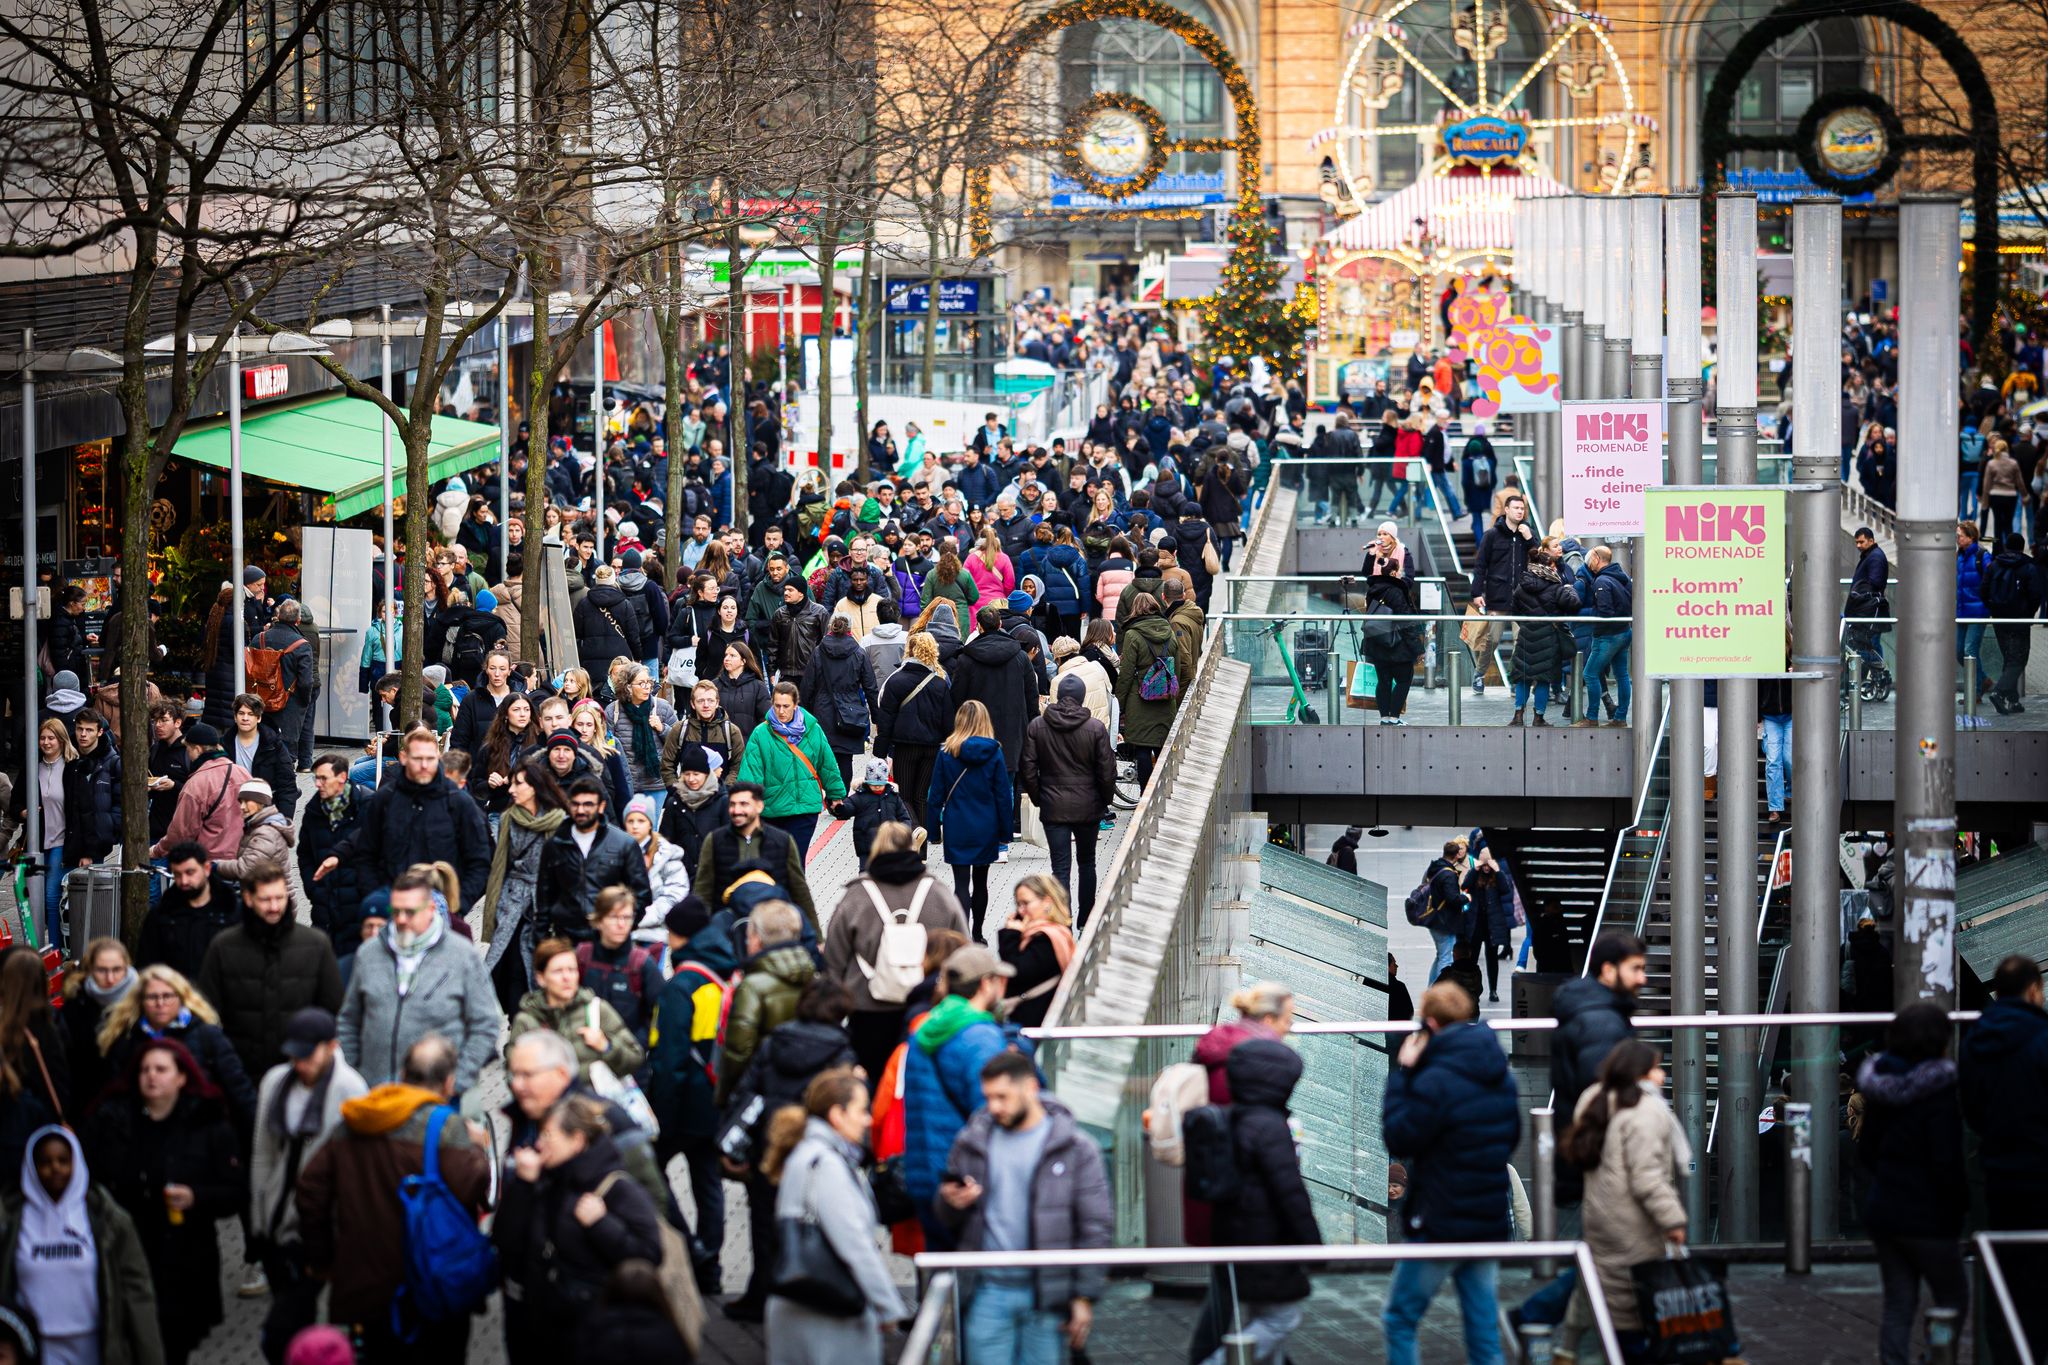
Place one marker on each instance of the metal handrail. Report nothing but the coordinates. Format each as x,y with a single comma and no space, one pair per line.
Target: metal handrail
1987,1255
1767,1041
1635,820
1658,1023
938,1300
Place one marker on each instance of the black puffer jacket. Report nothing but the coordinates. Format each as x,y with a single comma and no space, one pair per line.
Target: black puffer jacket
167,758
559,1264
566,890
785,1062
1455,1118
1542,649
994,670
604,625
839,689
258,975
745,700
410,822
177,935
1911,1148
337,898
1591,1019
1390,585
926,718
1503,555
209,1046
92,803
1068,765
1272,1205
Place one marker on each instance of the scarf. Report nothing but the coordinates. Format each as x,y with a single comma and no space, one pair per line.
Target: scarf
791,730
107,999
408,960
542,823
646,748
56,1260
176,1026
311,1119
337,806
1062,941
695,800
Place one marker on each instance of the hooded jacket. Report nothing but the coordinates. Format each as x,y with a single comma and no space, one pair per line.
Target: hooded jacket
994,670
2004,1068
1145,723
92,802
1911,1148
839,690
337,898
1069,764
86,1221
350,1223
536,1011
1070,1204
854,937
764,1000
942,1085
1542,649
258,975
745,701
970,804
1454,1118
606,626
267,837
916,707
1272,1204
1591,1019
682,1040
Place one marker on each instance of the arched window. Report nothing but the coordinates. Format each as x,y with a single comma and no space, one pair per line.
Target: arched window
1786,80
1137,58
1430,30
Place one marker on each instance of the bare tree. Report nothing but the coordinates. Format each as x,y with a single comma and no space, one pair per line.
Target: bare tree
135,138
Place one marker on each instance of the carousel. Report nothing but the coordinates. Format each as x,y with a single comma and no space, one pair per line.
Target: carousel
1448,111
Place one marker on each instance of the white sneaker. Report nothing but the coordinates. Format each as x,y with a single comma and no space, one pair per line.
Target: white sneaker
1002,855
254,1284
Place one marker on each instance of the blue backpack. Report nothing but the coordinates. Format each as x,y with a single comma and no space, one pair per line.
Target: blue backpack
450,1266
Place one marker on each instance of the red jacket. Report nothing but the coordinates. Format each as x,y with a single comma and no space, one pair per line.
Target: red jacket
208,809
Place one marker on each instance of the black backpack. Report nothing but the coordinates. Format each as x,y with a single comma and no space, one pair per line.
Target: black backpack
463,652
1211,1162
2005,588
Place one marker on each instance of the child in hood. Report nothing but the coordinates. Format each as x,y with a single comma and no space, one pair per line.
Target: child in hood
869,804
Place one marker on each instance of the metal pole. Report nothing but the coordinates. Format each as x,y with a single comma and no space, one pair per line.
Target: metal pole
1592,287
31,713
1924,794
1621,249
390,542
1798,1164
1737,988
235,504
1543,1199
1816,528
1636,364
597,431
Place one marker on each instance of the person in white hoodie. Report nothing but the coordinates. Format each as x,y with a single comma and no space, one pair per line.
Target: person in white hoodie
72,1255
885,644
451,508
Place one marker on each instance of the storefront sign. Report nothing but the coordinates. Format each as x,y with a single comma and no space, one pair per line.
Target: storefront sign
1355,380
956,297
1714,572
266,381
1613,451
1190,189
1484,140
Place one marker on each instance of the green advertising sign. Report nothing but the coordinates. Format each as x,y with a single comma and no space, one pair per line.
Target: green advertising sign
1714,572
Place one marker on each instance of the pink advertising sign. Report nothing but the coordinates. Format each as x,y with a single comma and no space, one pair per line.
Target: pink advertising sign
1613,451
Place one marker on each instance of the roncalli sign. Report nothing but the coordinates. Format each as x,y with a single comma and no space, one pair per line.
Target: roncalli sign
1613,451
1714,569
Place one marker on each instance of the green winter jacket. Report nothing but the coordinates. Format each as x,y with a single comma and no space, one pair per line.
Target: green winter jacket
766,599
1145,722
764,1001
793,788
962,592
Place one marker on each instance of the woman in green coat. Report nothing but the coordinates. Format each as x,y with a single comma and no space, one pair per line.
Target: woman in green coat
790,757
563,1004
102,1309
949,582
1146,720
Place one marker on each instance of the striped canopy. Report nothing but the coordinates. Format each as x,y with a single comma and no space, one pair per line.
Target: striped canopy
1463,211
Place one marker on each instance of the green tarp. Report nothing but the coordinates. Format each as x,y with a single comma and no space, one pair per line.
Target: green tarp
334,445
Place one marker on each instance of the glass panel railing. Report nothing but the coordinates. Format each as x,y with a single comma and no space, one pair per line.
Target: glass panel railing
1321,594
1332,669
1364,492
2010,664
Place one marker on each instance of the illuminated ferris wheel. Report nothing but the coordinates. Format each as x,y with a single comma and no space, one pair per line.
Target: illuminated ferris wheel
1430,85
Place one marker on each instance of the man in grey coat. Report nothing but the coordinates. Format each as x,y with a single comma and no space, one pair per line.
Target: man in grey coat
1022,1176
414,978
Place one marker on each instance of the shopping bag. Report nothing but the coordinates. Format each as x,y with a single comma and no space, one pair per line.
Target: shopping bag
682,669
1361,685
1684,1305
1030,826
625,1092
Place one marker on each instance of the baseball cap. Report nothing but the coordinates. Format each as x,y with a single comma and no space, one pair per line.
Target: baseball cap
976,961
306,1030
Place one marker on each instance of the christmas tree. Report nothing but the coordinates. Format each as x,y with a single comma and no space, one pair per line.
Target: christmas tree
1246,316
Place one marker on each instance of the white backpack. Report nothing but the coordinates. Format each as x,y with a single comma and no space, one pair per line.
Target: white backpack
899,961
1180,1087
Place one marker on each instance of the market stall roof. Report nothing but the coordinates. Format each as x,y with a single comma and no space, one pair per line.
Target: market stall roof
1462,212
333,444
2017,220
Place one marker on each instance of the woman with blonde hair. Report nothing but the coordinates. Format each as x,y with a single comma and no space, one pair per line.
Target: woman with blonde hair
913,717
102,978
54,750
1039,942
995,577
968,807
586,719
815,1155
574,686
163,1004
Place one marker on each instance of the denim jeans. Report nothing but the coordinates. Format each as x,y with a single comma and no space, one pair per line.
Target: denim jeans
1777,759
1902,1263
1005,1326
1415,1283
54,864
1442,479
1966,496
1062,843
1446,941
1608,654
1542,698
1970,647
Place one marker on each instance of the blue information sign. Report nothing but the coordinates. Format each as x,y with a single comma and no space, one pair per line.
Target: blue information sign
955,297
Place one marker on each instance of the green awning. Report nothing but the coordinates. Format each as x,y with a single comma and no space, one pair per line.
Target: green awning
333,444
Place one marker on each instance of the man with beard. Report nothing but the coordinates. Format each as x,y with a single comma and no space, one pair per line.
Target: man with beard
747,842
421,817
582,858
413,978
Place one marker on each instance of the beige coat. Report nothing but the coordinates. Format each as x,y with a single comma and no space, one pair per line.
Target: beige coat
507,611
266,837
1632,1199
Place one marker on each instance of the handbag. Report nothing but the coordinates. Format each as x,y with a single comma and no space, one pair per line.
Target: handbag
809,1273
1683,1301
891,1189
682,667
